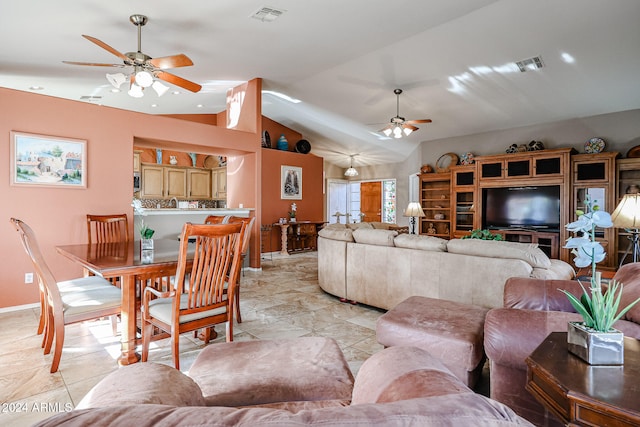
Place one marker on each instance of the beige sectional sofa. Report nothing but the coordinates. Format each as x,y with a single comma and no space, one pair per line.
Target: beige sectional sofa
378,267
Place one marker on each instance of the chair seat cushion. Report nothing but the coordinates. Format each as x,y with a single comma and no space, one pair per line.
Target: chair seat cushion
82,301
83,284
260,372
162,309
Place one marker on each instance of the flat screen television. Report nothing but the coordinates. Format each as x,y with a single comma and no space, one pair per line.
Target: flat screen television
535,207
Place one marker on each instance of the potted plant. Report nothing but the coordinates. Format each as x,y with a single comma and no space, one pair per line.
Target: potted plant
146,233
483,235
594,339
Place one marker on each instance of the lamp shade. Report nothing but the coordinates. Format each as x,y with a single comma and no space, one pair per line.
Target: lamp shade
351,172
414,209
627,213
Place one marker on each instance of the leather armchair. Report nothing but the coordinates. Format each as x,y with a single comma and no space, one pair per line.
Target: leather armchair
533,309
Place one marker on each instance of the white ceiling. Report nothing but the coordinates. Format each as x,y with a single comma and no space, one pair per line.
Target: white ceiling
343,58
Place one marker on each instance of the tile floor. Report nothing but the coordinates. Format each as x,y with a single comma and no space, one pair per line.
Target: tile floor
281,301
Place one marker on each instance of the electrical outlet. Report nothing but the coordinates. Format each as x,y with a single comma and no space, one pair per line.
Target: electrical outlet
28,277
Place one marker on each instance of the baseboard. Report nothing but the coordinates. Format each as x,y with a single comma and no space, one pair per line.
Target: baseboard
19,307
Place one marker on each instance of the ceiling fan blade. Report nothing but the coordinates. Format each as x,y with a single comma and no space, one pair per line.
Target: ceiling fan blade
174,61
415,122
408,126
107,48
93,64
178,81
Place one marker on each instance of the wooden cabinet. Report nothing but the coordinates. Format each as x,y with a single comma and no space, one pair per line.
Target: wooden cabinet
435,197
627,176
136,161
199,183
152,185
175,182
463,183
531,164
547,242
593,176
219,183
165,182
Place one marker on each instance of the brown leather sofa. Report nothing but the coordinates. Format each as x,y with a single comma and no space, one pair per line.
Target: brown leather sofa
398,386
533,309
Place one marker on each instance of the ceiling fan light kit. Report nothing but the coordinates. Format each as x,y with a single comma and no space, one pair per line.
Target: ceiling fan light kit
147,71
398,126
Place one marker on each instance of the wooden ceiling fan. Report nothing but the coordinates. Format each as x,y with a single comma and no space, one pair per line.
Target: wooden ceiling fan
399,126
141,63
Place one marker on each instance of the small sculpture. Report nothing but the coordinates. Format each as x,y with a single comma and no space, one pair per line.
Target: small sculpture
431,229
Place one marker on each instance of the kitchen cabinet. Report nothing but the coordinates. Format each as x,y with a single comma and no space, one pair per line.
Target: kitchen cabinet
199,183
219,183
166,182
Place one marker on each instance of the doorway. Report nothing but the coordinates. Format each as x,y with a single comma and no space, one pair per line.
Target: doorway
361,201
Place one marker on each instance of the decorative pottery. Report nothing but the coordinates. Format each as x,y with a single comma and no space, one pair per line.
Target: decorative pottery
193,156
535,146
158,156
467,159
173,160
596,348
303,146
513,148
594,145
426,169
266,139
283,144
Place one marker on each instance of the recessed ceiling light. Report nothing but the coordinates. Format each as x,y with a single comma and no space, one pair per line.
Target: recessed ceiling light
267,14
36,88
199,105
176,92
530,64
154,105
114,90
569,59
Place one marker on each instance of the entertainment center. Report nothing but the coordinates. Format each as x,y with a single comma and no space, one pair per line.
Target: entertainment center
528,197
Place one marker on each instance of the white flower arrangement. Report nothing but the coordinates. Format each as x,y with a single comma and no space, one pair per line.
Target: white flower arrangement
145,232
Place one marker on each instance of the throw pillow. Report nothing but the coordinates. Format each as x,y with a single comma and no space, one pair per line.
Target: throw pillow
424,243
375,237
343,234
527,252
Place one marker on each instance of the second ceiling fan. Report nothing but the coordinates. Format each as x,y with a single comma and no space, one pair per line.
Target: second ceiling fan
145,68
399,126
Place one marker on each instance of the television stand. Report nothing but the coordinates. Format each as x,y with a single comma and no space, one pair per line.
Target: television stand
547,241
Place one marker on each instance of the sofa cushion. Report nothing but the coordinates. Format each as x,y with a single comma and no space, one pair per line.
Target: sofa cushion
144,383
375,237
343,234
530,253
425,243
380,225
556,269
359,225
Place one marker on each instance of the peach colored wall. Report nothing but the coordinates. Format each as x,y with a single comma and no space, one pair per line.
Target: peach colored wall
273,207
58,215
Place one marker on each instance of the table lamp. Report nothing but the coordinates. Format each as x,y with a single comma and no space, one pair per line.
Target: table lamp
627,216
413,210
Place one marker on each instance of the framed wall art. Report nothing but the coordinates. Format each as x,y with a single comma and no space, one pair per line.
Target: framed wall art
291,183
50,161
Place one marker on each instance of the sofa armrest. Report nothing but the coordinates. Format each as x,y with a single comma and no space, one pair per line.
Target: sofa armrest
510,335
537,294
402,372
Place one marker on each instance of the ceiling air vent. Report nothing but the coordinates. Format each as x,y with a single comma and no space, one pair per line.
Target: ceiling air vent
90,98
267,14
534,63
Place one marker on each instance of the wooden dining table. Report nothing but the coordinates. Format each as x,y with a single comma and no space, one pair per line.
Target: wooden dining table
133,268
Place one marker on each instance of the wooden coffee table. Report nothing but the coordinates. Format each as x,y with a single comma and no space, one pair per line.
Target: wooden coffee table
581,394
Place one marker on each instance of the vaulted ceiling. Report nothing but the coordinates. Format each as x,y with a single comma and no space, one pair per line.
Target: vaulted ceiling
342,59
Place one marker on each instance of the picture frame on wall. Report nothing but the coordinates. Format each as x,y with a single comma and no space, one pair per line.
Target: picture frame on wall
291,183
47,161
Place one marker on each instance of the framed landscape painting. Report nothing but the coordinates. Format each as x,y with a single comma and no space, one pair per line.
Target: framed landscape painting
291,183
51,161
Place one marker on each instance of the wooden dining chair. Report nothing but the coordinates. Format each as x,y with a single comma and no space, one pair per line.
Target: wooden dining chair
216,219
67,302
245,246
107,228
199,299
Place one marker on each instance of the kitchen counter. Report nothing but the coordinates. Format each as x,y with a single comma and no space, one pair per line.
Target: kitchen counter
243,212
167,223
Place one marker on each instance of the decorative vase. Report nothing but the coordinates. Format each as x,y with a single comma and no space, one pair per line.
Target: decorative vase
173,160
193,156
158,156
596,348
146,244
283,144
292,219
